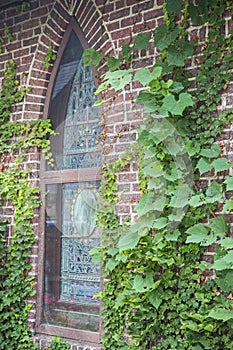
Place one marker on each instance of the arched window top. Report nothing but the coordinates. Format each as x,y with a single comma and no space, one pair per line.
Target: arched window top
73,113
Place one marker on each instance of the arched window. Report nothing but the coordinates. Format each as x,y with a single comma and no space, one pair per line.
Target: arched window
70,279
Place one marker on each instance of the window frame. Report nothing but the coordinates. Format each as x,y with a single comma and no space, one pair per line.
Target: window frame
60,177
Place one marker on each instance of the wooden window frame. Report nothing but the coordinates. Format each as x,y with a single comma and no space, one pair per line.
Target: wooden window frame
59,177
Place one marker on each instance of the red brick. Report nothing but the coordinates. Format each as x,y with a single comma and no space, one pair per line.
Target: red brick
30,24
119,14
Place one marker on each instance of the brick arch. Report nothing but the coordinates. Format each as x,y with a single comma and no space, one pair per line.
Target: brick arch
90,20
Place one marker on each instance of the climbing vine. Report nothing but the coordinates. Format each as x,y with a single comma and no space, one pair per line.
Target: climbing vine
21,199
159,291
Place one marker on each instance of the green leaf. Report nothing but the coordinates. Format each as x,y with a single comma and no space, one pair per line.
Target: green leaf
119,78
176,107
220,164
173,236
142,284
96,255
203,166
174,6
229,183
214,192
227,243
155,299
127,53
128,240
154,169
99,103
224,280
178,52
212,152
197,233
224,263
160,223
199,14
164,36
91,56
141,41
111,264
197,200
181,196
113,63
219,226
144,76
150,202
221,314
228,206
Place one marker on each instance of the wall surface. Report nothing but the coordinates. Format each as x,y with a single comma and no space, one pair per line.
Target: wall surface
107,25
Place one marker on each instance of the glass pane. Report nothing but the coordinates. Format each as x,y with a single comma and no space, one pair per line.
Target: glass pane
82,126
71,278
74,116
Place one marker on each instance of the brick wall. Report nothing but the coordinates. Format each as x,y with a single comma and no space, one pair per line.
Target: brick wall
107,25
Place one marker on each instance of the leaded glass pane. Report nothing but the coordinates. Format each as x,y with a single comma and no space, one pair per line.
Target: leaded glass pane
82,126
74,116
80,277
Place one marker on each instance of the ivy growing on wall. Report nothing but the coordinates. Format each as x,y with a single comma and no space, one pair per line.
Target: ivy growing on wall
21,198
159,291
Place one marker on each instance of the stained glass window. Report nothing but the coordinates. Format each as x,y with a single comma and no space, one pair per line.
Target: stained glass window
71,279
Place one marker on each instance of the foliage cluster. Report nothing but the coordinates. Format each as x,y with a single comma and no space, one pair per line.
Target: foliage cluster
58,344
22,199
159,292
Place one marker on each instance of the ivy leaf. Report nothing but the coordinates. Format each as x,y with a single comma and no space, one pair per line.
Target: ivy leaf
164,36
199,14
111,264
212,152
177,107
181,196
141,41
227,243
149,101
224,263
91,56
148,202
113,63
96,255
127,53
224,280
229,183
214,192
173,236
221,314
155,299
220,164
228,206
154,169
197,200
219,226
128,240
178,52
197,233
177,87
174,6
203,166
143,75
160,223
142,284
162,129
118,79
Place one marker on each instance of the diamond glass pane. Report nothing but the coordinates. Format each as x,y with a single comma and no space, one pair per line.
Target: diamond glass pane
80,277
82,127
